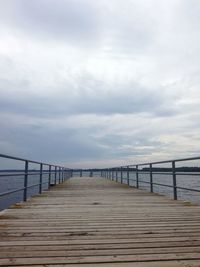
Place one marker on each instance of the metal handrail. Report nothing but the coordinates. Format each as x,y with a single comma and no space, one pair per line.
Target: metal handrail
112,174
29,160
155,162
23,173
57,172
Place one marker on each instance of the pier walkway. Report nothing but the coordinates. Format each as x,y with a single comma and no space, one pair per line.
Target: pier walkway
97,222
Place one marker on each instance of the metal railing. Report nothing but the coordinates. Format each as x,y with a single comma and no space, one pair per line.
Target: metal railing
136,175
87,173
58,173
123,173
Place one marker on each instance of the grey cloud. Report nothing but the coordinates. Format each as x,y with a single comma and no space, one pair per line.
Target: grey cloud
70,20
82,22
117,104
124,100
38,141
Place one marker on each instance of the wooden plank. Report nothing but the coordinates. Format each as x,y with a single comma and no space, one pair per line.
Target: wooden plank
99,259
98,252
188,263
54,247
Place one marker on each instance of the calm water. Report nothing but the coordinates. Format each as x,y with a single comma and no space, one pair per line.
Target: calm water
188,181
12,183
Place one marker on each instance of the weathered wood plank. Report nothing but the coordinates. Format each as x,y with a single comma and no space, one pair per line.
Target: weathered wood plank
188,263
99,252
73,247
99,259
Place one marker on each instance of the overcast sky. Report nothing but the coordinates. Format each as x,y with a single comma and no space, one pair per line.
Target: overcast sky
89,83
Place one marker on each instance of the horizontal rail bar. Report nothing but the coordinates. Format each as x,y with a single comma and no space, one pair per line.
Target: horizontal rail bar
11,191
19,189
36,184
29,173
188,189
165,185
155,162
31,161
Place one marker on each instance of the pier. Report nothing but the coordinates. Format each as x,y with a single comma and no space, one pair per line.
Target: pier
94,221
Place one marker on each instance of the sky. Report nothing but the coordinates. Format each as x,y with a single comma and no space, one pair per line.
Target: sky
87,83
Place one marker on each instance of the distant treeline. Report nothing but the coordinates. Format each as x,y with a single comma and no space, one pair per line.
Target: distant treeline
179,169
146,169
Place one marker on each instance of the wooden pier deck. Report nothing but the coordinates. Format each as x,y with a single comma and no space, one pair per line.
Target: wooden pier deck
95,222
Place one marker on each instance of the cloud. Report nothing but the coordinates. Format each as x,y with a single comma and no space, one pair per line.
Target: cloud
72,21
83,93
99,83
131,101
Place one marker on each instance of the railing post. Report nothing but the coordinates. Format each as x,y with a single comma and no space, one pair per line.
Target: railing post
112,173
116,176
62,175
121,175
174,179
49,181
59,175
137,177
55,177
128,175
151,177
25,180
40,185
